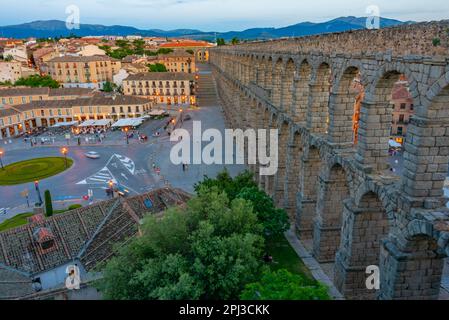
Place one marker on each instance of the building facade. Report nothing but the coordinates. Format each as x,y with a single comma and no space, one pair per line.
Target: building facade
403,110
178,61
10,71
19,119
83,72
15,96
162,87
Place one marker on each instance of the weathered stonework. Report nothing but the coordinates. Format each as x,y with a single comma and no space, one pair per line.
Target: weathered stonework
339,193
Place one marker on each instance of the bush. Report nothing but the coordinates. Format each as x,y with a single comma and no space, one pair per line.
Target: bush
283,285
74,206
436,42
48,204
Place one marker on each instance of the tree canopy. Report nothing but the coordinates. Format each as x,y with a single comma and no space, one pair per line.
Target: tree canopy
37,81
157,67
283,285
209,250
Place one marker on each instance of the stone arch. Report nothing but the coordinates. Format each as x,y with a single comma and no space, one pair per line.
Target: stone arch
318,107
308,192
276,88
270,186
342,106
287,87
426,153
333,191
292,182
301,92
412,269
376,116
268,78
282,164
365,226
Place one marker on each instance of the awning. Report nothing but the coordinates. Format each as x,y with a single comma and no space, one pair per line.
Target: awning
156,113
88,123
129,122
394,144
65,124
96,123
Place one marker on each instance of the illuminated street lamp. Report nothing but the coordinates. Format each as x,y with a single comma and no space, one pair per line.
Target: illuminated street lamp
64,151
36,185
1,160
127,136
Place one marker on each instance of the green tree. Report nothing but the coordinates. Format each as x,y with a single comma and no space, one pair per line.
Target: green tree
209,250
157,67
108,86
8,58
221,42
37,81
225,182
274,220
48,204
235,41
190,51
283,285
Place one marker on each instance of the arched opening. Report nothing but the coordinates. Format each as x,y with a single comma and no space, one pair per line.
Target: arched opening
287,88
276,88
294,155
271,181
301,93
307,196
282,164
426,155
365,226
345,103
333,191
268,82
318,113
384,120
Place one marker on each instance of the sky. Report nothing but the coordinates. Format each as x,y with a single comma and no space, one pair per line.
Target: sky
216,15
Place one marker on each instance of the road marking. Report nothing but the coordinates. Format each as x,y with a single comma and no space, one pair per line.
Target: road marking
101,177
124,176
127,162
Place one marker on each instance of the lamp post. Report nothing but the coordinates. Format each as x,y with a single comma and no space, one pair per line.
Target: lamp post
127,136
1,159
64,151
36,185
111,188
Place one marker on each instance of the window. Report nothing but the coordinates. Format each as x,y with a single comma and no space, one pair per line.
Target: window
129,110
59,112
121,109
412,107
23,100
3,101
51,112
113,109
137,109
400,131
403,105
11,101
401,118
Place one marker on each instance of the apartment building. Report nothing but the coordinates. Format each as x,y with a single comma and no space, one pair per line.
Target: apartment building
10,71
83,72
200,48
403,110
162,87
178,61
18,119
15,96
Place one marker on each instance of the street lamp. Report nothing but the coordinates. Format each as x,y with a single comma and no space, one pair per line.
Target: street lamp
64,151
36,185
127,136
1,160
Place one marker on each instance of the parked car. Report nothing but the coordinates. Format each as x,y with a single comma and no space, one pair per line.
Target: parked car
92,155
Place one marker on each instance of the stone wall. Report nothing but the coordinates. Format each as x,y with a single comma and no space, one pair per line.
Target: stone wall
337,192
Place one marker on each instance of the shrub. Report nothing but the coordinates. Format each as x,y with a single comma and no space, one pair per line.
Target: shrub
75,206
48,204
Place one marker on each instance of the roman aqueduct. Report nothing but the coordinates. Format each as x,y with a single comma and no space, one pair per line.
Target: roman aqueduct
333,175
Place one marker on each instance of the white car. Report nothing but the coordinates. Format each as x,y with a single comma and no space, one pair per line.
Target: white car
92,155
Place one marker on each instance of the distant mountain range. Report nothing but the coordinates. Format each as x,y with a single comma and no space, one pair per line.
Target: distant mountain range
56,28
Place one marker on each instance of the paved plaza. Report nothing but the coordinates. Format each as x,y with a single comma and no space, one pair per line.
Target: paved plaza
132,166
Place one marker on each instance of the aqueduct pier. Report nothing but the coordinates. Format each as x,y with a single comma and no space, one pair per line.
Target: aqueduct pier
333,177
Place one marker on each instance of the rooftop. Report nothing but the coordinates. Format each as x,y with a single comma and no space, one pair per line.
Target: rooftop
18,92
88,235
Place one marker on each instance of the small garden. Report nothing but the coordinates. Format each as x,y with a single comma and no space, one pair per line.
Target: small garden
33,170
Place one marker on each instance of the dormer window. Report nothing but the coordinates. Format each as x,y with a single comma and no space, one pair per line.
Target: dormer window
45,239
